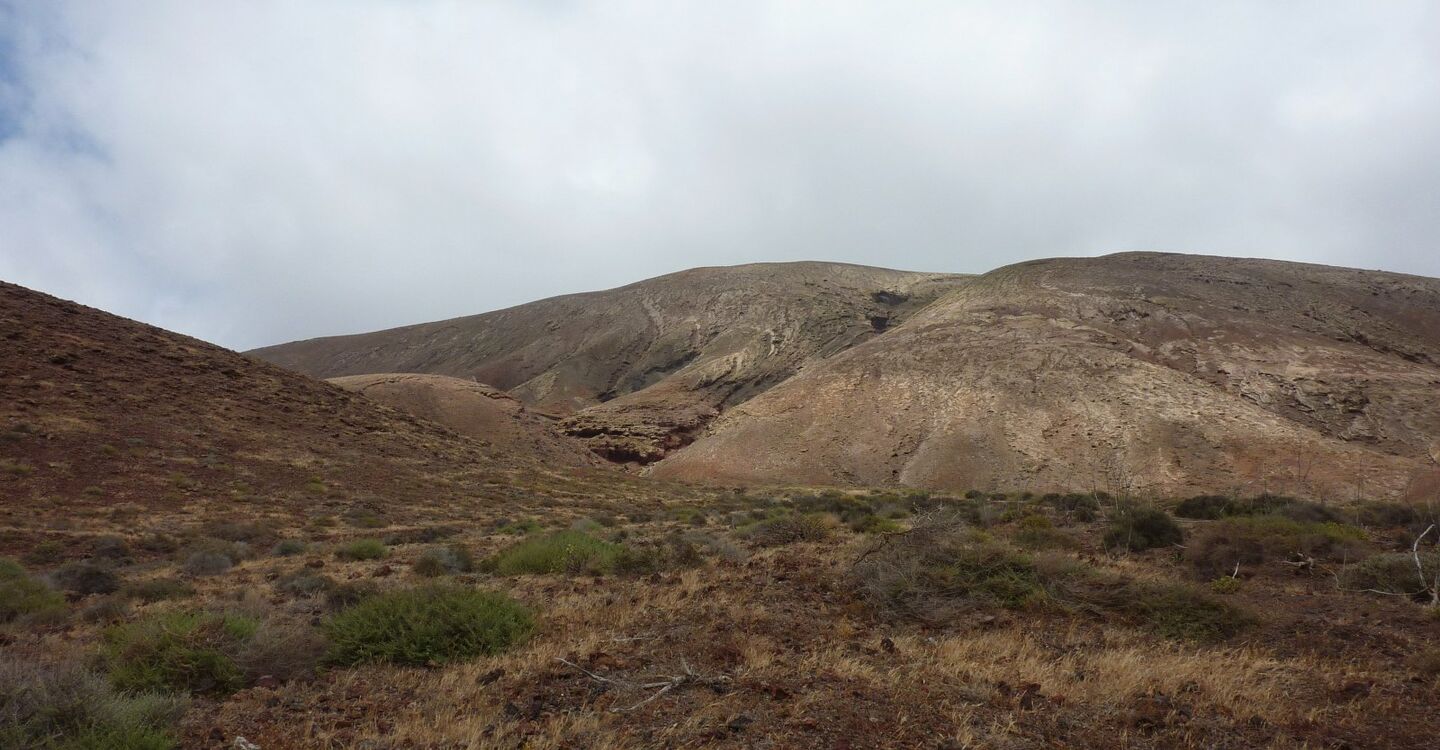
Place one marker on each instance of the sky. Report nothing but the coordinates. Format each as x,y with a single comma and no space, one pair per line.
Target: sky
258,172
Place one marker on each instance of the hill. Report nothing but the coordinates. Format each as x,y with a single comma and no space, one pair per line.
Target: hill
474,410
1149,372
639,370
101,415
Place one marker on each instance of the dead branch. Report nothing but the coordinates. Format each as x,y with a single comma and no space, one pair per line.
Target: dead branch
661,687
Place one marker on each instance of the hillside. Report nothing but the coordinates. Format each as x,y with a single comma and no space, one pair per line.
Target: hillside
1148,372
1140,371
103,415
639,370
475,410
199,548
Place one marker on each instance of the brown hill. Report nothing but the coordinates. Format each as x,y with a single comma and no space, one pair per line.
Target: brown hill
1155,372
642,368
475,410
101,415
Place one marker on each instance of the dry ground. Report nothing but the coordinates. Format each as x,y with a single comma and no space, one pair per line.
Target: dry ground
772,646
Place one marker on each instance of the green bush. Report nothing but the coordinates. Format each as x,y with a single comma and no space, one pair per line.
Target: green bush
1139,527
68,707
1208,507
1175,610
1391,573
22,595
1080,506
363,549
1253,540
558,552
190,652
426,626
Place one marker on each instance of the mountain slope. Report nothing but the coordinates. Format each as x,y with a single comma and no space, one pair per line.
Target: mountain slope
474,410
1156,372
642,368
99,415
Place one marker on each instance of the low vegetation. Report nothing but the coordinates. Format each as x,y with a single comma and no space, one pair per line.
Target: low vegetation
178,651
566,551
23,595
426,626
68,707
1140,527
363,549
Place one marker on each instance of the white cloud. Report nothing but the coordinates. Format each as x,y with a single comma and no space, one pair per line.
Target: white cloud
257,172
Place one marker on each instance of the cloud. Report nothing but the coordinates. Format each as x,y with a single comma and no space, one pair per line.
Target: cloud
258,172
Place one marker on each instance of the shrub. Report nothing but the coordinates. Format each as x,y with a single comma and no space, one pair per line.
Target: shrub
47,552
157,589
941,569
1252,540
361,518
1176,611
283,649
523,527
1137,528
22,595
873,524
344,595
426,626
1081,507
112,548
304,583
106,609
363,549
438,561
85,577
1225,585
288,548
158,543
1391,573
206,563
790,529
250,532
69,707
180,651
1037,532
1209,507
559,552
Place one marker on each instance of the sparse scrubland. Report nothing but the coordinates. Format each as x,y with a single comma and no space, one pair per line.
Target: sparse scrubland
723,618
197,547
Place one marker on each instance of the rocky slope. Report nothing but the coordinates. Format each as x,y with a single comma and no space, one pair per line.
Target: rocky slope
1133,372
639,370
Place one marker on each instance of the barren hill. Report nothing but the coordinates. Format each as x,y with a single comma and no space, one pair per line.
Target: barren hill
475,410
1145,371
642,368
1139,371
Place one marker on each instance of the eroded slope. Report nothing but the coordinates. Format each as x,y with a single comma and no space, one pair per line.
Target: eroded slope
1155,372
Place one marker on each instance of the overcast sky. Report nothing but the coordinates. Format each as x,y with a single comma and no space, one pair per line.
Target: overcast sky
256,172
